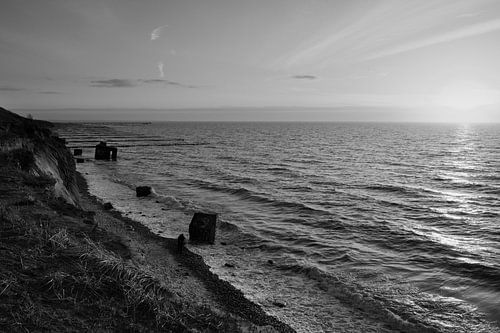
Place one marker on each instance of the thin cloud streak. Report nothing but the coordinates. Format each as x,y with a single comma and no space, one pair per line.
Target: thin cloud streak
113,83
8,88
470,31
128,83
372,33
160,69
156,33
304,77
310,54
168,82
49,92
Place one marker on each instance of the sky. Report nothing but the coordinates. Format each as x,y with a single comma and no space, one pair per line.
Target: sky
400,60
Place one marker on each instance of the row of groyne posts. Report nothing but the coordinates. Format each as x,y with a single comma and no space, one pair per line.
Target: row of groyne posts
202,226
102,152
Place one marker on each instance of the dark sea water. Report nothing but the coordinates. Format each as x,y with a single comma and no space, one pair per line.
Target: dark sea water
348,224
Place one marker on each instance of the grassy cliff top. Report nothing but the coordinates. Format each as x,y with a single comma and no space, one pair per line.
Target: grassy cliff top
12,124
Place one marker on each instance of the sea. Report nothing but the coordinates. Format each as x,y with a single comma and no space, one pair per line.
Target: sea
327,226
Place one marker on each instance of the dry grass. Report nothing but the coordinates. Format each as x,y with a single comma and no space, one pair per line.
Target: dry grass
49,276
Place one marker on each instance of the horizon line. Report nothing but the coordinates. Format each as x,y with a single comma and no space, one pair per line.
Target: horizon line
215,108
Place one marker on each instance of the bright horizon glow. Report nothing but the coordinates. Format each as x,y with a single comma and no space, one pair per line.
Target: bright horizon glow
466,95
263,114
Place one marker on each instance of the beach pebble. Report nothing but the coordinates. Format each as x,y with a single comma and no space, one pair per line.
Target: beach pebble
279,304
143,191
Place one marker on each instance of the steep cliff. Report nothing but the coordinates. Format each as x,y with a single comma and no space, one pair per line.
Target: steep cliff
31,146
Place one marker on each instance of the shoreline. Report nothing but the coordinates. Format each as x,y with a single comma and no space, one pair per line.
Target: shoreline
67,264
227,297
65,250
315,300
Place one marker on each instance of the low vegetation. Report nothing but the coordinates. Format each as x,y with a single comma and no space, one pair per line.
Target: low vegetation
59,278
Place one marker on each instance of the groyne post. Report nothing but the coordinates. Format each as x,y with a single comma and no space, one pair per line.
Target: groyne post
114,152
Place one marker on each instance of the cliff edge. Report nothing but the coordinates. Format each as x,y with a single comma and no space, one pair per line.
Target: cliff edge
30,146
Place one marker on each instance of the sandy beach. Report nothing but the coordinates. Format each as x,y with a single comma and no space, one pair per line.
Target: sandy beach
185,272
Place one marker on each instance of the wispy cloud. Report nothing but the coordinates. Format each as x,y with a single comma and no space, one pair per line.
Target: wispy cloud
304,77
160,69
469,15
386,28
49,92
128,83
10,88
14,89
469,31
168,82
113,83
156,33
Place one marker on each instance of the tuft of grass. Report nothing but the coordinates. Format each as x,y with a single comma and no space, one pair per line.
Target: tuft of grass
8,284
61,239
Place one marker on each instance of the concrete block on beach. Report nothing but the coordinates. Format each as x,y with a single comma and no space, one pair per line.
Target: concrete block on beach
103,152
202,228
143,191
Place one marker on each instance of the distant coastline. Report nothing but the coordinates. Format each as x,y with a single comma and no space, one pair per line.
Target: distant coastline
342,113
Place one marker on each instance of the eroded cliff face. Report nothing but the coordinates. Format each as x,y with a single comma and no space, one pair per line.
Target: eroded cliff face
55,160
31,146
